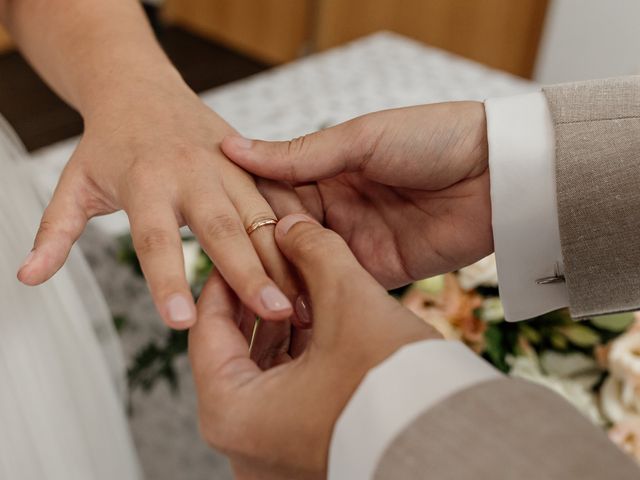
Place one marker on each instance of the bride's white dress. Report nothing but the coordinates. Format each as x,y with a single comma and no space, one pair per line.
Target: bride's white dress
61,411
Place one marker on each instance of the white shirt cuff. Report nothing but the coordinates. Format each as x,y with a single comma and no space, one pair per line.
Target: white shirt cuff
523,204
395,393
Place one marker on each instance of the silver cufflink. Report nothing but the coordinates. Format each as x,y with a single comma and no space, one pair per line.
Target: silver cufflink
557,277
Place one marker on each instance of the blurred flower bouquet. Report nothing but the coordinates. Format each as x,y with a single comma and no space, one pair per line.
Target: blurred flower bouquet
594,364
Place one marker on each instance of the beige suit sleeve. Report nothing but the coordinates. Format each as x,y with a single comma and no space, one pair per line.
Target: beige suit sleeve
503,430
597,129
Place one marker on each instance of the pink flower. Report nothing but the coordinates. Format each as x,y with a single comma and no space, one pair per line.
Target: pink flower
450,310
626,434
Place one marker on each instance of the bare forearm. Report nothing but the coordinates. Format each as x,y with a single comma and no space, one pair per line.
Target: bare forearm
89,51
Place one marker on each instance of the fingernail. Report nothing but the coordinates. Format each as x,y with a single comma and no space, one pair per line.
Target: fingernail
303,310
28,259
289,221
241,142
179,308
274,300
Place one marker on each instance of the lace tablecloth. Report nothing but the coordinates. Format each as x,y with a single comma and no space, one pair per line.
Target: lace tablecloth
380,71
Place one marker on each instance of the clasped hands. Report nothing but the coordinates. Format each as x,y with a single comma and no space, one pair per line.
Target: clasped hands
404,194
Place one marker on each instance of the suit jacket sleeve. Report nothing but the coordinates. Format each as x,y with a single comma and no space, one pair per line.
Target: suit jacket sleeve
504,429
597,130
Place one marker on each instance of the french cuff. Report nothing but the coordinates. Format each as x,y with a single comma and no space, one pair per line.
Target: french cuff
524,211
394,394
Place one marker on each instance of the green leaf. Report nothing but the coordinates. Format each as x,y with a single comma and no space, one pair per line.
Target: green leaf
617,322
495,350
580,335
120,322
530,333
558,341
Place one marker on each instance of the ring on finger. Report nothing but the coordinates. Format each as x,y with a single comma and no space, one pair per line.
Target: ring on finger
259,223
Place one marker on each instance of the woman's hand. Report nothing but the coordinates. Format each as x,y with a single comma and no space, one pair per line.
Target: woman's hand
150,147
408,189
278,423
153,151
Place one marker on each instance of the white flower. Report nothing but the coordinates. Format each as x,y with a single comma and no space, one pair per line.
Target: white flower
482,272
191,253
576,366
492,310
528,368
626,434
618,400
624,357
620,393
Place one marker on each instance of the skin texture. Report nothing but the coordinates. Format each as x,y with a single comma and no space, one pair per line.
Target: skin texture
152,148
277,424
408,189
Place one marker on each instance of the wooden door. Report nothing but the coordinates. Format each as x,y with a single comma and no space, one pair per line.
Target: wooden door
274,31
5,41
503,34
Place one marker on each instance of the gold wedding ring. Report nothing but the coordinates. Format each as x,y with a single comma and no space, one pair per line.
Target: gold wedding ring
259,223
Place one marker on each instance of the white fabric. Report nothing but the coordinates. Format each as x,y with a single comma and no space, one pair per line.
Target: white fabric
523,203
393,394
60,416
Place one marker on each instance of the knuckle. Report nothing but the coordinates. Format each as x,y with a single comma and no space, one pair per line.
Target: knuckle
65,229
295,148
221,227
367,136
46,227
153,240
313,243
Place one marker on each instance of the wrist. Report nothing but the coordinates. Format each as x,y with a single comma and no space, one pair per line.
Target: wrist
122,93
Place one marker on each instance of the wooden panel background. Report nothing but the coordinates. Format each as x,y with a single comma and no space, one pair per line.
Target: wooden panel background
500,33
274,31
5,41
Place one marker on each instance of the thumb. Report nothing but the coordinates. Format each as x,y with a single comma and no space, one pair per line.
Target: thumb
329,270
62,223
313,157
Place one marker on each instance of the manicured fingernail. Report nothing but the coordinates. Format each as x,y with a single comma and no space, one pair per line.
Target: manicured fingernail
241,142
303,310
274,300
289,221
179,308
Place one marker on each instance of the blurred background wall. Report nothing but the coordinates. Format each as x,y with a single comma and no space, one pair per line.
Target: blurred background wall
585,39
548,40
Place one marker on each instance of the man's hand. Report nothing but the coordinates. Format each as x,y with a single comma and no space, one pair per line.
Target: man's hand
278,423
408,189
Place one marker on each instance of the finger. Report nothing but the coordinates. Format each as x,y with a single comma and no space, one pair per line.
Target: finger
221,233
319,155
218,351
323,260
62,223
272,340
251,207
285,200
299,342
156,239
